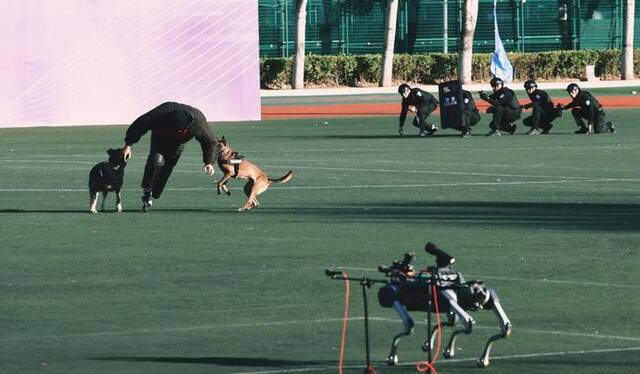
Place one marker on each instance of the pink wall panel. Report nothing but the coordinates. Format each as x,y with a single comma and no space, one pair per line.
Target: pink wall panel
82,62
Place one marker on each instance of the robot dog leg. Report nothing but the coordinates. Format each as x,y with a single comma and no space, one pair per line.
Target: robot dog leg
505,327
460,314
409,327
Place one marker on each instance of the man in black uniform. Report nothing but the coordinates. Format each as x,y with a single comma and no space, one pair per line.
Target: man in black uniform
469,112
422,102
171,125
504,106
585,106
543,110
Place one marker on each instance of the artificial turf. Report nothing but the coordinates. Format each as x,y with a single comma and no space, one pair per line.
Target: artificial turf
551,222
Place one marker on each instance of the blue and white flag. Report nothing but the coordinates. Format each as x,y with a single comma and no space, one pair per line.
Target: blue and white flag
500,64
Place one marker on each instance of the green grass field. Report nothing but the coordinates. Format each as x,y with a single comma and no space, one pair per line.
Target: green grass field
551,222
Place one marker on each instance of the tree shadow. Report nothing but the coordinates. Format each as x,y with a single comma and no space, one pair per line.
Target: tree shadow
369,136
567,216
222,361
112,211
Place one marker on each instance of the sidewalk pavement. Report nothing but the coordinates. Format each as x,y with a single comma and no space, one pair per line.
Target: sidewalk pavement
310,92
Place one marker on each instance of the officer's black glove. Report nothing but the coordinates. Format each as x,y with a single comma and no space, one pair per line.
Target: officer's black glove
483,95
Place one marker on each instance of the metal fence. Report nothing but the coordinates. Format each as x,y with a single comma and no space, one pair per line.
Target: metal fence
357,26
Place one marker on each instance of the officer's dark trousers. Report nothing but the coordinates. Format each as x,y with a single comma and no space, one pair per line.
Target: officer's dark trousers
503,117
540,118
471,118
163,157
422,115
599,122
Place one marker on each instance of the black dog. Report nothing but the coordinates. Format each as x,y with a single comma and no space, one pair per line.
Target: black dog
107,176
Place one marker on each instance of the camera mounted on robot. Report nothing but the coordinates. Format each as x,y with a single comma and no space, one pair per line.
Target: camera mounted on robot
443,259
400,269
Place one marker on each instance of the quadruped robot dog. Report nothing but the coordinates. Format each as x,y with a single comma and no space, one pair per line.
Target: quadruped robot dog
439,289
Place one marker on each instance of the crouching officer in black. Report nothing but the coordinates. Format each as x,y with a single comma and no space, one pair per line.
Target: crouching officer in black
543,110
171,125
504,106
470,113
585,107
422,102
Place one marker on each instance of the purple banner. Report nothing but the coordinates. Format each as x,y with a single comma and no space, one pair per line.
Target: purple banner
85,62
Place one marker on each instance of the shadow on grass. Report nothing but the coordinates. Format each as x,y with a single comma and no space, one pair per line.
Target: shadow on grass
575,216
86,211
371,136
222,361
552,216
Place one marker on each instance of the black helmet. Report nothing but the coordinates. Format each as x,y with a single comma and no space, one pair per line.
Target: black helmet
572,87
496,81
530,84
403,87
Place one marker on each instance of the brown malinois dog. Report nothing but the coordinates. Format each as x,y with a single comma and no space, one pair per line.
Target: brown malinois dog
235,166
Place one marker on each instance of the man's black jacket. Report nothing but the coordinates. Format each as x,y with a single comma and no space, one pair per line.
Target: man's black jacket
419,99
175,123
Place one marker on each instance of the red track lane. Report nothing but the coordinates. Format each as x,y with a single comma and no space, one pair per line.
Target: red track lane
383,109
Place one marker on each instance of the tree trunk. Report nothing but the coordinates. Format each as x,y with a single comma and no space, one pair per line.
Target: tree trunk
627,54
297,80
465,57
387,61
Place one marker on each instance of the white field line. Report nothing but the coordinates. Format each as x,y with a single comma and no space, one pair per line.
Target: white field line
476,174
281,323
14,154
369,270
42,158
580,283
534,280
14,161
389,186
188,162
539,165
532,331
366,170
442,362
165,278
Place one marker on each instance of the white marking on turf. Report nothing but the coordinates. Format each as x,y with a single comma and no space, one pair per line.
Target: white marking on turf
177,329
581,283
541,280
334,150
385,186
435,172
458,184
441,362
532,331
283,323
50,161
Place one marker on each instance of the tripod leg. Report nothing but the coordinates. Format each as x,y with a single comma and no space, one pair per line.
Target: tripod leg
432,338
505,329
408,324
451,321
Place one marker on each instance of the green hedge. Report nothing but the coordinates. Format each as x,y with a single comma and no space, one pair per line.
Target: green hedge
365,70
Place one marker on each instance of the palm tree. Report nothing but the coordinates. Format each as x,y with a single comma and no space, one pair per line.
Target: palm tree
297,80
627,55
387,61
465,58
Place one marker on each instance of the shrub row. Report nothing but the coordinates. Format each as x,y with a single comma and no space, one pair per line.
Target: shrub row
364,70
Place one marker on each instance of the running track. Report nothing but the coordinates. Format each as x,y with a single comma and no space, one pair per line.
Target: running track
393,108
